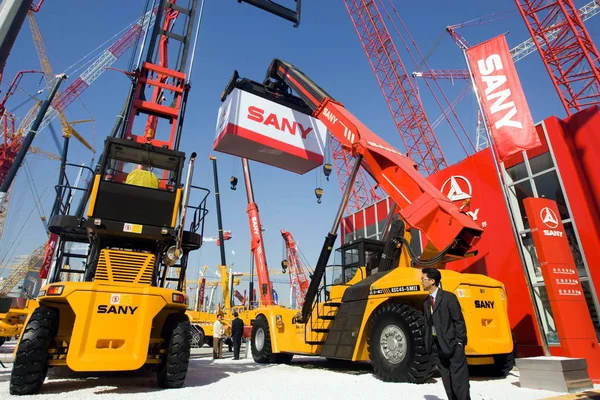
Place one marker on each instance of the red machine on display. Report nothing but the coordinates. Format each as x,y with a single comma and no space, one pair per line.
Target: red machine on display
298,278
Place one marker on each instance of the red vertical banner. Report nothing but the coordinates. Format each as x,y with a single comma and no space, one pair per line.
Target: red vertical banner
502,97
48,255
572,318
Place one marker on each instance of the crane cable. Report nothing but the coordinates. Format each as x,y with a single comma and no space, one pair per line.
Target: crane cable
72,70
36,196
16,242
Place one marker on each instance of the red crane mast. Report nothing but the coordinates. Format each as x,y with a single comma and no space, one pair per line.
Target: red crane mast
572,59
296,268
394,80
257,244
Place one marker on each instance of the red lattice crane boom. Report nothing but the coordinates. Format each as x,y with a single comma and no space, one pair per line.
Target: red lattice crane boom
572,59
400,94
296,268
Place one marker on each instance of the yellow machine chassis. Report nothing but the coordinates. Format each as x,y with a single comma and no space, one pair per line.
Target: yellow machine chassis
106,326
488,329
13,321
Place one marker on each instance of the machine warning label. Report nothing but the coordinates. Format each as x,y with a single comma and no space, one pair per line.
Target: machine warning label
396,289
133,228
122,299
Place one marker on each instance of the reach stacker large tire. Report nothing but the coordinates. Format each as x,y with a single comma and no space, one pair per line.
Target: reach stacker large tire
261,344
396,344
31,361
172,371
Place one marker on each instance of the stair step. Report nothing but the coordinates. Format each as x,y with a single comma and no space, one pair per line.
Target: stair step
333,304
315,342
321,330
327,317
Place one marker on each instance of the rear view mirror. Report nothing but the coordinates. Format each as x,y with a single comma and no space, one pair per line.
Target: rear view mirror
278,9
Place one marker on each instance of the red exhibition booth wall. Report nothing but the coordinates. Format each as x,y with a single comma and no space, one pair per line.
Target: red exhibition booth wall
565,169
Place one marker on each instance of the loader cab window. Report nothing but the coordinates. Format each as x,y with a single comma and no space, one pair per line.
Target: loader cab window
139,184
351,261
359,253
141,167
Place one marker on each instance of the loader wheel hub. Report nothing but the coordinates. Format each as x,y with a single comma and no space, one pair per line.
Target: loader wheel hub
259,339
393,344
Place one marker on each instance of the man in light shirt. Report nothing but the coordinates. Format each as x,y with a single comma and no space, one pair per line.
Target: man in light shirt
218,336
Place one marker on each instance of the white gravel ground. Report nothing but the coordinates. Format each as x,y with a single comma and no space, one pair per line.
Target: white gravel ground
304,378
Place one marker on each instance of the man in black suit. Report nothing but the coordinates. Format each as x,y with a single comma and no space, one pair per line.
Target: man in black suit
237,330
446,335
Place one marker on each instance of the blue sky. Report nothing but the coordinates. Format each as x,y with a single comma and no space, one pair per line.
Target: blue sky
238,36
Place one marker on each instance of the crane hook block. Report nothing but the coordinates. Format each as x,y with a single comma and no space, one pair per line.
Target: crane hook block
234,182
327,168
284,265
319,194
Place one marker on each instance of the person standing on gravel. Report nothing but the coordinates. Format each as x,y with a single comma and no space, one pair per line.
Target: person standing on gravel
237,330
218,335
446,335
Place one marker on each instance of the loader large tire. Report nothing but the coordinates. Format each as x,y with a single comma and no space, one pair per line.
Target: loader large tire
2,340
261,344
31,360
172,371
396,344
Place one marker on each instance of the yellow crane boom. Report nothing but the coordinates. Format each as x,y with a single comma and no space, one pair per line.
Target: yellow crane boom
30,264
67,127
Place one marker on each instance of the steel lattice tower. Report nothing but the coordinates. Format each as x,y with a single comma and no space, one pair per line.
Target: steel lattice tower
572,59
417,135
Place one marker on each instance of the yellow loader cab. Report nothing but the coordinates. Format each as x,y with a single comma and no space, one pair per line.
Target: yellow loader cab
124,307
369,308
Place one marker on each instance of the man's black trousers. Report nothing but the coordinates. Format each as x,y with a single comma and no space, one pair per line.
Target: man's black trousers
237,342
454,371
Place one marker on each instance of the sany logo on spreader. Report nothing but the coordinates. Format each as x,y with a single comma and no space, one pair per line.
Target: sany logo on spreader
257,114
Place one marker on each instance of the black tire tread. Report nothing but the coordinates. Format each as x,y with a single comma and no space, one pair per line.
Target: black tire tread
418,368
172,371
31,360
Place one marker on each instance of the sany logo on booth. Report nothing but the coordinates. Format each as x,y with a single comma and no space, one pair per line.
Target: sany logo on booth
460,189
550,219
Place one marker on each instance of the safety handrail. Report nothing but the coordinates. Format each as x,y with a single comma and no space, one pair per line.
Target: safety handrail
323,294
61,205
200,212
